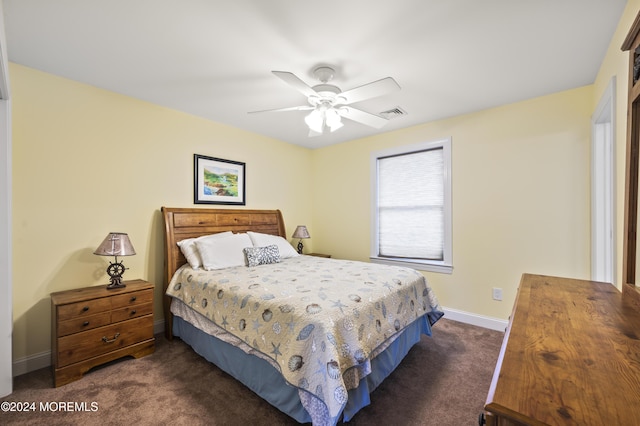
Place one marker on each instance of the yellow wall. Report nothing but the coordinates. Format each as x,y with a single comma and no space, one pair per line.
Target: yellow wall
87,161
520,197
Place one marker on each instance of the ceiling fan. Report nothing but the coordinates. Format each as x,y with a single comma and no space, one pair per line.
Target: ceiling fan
328,104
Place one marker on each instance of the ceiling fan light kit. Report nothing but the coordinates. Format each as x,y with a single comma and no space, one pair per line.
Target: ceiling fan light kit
332,119
322,117
315,121
328,104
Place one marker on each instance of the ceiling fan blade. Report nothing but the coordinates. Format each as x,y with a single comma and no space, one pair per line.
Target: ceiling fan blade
296,108
368,91
363,117
292,80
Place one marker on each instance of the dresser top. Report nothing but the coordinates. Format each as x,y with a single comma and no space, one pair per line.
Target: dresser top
94,292
571,355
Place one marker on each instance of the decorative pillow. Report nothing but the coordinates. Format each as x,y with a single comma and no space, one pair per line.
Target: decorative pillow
262,255
190,251
223,252
262,240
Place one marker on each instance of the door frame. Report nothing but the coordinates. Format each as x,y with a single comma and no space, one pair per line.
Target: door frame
603,199
6,274
6,311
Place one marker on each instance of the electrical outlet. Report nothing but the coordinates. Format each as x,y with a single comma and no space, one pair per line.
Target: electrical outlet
497,293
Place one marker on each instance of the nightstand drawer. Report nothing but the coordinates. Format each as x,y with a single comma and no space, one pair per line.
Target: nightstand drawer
129,312
82,346
79,309
83,323
135,298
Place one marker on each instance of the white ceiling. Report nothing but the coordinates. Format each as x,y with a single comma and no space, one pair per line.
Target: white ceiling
213,58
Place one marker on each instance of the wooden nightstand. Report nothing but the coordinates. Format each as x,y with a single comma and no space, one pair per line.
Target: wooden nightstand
319,255
93,325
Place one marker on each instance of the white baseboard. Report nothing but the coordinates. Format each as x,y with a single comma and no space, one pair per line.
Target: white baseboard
42,360
31,363
475,319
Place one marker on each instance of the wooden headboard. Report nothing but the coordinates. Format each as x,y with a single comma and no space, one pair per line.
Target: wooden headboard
183,223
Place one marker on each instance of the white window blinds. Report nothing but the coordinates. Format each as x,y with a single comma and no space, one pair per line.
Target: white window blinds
410,206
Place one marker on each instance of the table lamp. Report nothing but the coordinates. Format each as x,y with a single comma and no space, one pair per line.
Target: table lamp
115,244
301,233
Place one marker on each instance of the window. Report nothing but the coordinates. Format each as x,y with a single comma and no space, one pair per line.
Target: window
412,206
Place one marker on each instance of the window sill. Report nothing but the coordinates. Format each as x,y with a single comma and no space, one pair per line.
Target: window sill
415,264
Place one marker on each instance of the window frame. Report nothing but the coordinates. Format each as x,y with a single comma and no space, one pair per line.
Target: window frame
442,266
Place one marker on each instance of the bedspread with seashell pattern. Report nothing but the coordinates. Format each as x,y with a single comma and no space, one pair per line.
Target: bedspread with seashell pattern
315,317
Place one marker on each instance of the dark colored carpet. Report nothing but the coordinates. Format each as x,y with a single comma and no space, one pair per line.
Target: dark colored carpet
443,381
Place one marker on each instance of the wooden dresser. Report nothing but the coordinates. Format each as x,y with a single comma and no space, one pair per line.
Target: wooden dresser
93,325
570,356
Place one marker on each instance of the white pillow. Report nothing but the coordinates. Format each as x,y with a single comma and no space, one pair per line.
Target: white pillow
223,252
261,240
190,251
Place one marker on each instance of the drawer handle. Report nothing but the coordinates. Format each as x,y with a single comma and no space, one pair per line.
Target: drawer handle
107,340
85,309
86,323
133,298
133,312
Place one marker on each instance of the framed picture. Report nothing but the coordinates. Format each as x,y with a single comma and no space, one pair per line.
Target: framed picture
218,181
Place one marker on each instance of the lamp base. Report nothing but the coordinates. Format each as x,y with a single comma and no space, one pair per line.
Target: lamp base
300,247
115,271
116,282
115,286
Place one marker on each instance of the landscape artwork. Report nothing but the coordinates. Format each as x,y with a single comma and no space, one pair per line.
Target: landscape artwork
218,181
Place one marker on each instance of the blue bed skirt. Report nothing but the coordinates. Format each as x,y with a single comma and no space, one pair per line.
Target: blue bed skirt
266,381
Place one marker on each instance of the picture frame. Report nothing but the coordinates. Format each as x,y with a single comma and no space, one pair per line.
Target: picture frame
218,181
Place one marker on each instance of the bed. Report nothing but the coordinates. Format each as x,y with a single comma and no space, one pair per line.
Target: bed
310,335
